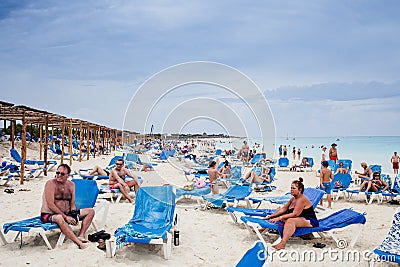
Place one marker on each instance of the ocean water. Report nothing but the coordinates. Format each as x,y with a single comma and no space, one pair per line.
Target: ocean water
371,149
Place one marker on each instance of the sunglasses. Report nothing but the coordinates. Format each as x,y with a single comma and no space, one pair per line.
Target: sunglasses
119,164
61,173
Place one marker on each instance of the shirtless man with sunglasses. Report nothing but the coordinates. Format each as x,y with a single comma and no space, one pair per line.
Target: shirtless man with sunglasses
58,206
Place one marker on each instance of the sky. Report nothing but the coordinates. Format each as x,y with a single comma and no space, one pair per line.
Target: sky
321,68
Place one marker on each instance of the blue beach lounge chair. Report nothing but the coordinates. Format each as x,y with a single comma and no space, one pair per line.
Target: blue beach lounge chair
389,249
313,194
233,194
256,256
340,184
368,196
283,164
86,196
339,219
56,155
394,190
151,223
17,157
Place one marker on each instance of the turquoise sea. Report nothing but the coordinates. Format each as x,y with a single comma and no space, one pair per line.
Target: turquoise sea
371,149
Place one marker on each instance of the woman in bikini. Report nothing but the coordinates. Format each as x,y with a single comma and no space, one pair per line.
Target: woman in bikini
226,170
258,175
375,184
213,173
298,212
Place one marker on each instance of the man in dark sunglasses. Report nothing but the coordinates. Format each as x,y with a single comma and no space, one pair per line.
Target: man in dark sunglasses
59,206
117,179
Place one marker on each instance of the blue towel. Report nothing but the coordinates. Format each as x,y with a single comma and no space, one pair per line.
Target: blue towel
24,225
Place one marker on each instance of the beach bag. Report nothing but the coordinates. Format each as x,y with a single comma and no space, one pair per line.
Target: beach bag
188,187
200,184
338,185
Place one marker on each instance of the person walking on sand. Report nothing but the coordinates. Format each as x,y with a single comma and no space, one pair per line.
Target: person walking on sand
213,173
244,152
284,151
298,153
324,154
58,206
117,180
326,177
395,162
294,153
333,153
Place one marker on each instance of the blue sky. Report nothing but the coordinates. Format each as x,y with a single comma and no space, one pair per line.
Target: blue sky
326,68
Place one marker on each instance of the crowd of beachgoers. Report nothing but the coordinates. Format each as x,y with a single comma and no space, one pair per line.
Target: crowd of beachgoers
208,236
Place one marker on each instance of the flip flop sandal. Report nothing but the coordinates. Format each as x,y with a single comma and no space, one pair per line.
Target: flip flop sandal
9,190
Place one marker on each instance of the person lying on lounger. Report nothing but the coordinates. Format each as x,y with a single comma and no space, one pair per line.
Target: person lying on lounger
304,163
298,212
255,176
59,206
375,184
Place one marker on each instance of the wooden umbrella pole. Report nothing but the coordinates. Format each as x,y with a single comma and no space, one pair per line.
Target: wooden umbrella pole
23,149
62,142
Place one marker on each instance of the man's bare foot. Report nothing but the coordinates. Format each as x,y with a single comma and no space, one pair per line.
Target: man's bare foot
82,239
280,245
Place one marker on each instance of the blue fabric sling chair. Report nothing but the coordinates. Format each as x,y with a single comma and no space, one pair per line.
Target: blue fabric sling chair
17,157
151,223
256,256
389,249
86,192
233,194
313,194
339,219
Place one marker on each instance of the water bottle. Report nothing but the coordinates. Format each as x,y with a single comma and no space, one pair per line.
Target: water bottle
176,237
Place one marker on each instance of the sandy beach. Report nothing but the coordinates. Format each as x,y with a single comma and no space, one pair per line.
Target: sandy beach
207,237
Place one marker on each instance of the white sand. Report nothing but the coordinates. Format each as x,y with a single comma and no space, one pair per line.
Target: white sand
207,238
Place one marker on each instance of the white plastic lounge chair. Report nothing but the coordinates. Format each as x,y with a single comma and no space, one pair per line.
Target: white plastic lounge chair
339,219
86,196
153,218
368,196
340,184
313,194
394,190
38,163
233,194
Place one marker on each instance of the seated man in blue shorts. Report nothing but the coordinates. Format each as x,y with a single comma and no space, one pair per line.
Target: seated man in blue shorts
326,177
59,206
